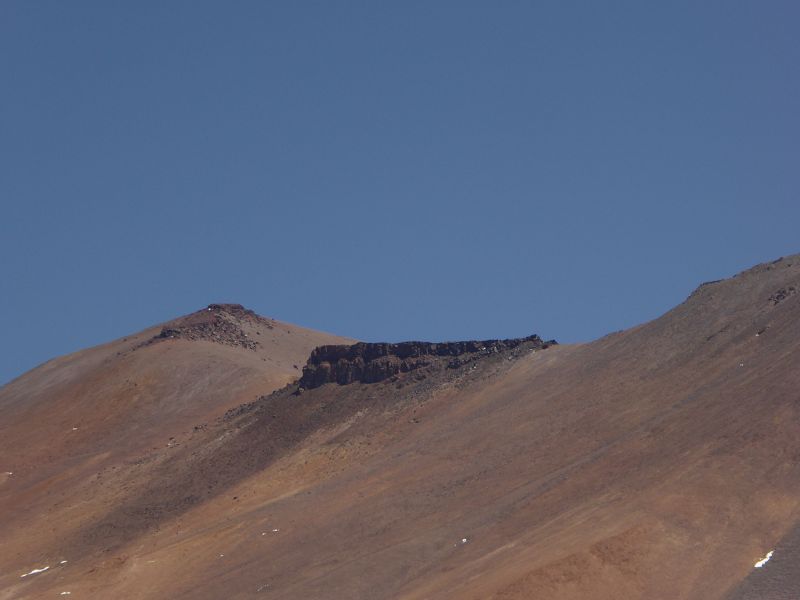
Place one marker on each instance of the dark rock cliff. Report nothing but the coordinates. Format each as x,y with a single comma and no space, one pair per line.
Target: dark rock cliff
370,363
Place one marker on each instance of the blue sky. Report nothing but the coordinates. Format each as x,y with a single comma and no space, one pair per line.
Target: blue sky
387,171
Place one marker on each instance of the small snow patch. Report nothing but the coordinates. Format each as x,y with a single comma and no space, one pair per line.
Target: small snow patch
65,593
63,562
35,571
764,560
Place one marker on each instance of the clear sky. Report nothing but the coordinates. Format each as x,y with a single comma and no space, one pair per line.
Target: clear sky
387,171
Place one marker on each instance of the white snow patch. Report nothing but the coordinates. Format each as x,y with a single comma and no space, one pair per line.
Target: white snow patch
65,593
764,560
741,364
35,571
9,473
63,562
464,540
74,429
275,530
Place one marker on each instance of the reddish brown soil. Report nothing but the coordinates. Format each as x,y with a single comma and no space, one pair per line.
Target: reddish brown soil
659,462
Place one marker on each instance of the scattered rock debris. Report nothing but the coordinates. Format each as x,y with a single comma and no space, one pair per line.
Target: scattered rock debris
782,294
220,323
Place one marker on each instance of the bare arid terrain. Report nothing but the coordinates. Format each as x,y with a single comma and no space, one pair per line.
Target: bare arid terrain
224,455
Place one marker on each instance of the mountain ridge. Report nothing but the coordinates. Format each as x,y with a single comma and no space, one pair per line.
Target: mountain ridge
662,461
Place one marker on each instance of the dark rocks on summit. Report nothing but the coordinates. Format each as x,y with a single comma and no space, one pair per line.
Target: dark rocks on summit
220,323
374,362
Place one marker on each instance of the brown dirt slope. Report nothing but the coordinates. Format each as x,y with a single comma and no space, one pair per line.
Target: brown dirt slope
77,415
658,462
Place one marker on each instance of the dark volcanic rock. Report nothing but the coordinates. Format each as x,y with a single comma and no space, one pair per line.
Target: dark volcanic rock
370,363
782,294
220,323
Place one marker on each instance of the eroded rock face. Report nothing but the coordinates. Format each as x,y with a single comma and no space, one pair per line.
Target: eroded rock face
370,363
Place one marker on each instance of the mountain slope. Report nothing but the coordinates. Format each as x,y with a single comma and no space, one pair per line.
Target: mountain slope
134,389
97,409
658,462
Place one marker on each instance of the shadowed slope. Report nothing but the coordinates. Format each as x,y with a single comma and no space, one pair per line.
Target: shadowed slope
659,462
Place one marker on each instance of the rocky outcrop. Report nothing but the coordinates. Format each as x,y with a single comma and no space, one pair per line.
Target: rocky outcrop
370,363
220,323
782,294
